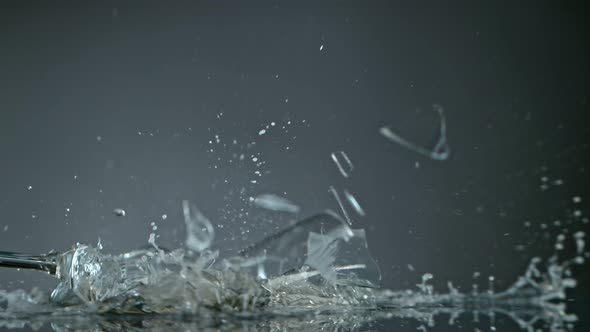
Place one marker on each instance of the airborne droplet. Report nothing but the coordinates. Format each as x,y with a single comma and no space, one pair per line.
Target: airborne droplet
119,212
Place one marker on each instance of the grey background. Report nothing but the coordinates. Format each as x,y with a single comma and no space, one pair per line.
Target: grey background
512,78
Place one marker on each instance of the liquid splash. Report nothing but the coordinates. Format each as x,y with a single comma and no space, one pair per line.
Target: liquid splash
316,272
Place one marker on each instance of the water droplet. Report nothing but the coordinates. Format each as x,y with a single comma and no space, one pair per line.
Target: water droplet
119,212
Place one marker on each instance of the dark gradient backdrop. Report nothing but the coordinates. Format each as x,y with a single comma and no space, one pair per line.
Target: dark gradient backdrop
112,105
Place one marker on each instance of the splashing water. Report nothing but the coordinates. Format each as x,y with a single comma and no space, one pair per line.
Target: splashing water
316,268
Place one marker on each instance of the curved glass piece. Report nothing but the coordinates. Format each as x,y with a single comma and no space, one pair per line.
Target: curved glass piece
322,242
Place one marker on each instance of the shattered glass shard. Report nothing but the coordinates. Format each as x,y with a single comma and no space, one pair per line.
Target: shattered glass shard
343,247
199,230
440,151
286,250
119,212
275,203
339,201
349,166
354,203
322,242
321,255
